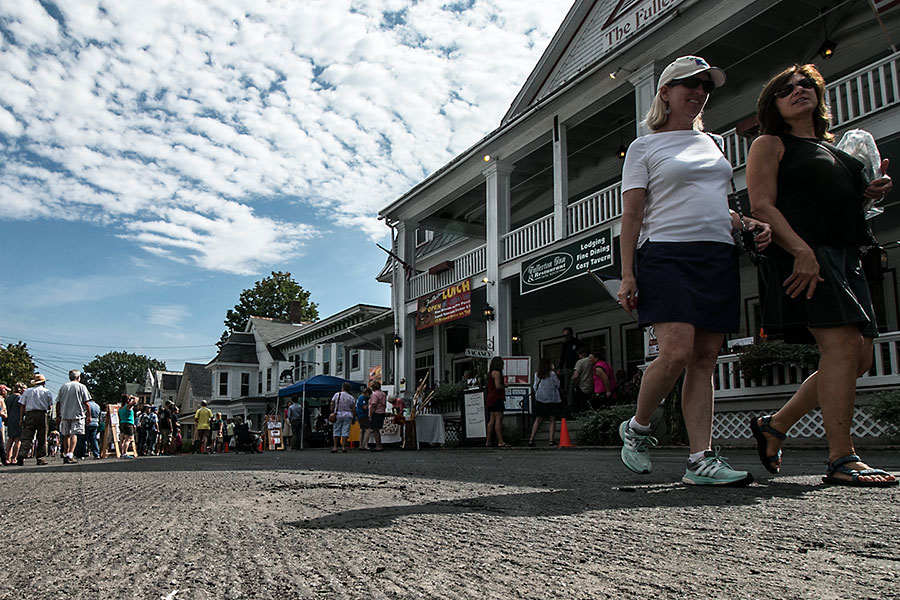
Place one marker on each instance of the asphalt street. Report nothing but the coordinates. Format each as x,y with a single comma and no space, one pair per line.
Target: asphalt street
454,523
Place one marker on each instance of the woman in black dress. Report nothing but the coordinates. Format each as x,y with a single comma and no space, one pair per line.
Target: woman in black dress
812,285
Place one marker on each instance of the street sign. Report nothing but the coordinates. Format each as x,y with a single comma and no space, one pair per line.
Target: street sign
479,353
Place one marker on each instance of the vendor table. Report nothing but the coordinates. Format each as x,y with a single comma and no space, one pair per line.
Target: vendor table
430,429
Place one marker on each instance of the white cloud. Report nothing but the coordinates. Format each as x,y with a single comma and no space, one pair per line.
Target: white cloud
167,315
187,126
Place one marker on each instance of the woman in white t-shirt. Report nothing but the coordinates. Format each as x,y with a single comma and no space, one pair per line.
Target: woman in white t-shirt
679,263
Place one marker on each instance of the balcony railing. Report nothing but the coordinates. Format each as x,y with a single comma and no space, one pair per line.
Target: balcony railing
736,148
869,90
596,209
729,383
469,264
529,238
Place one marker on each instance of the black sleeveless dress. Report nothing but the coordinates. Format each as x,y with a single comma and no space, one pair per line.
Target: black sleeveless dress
820,195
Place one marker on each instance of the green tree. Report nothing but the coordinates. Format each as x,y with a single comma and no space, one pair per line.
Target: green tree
16,364
271,298
107,375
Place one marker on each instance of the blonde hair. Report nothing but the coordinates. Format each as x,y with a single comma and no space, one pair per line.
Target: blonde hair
659,114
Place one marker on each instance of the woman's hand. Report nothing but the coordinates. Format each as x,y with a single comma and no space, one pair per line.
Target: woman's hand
805,276
762,232
881,187
628,293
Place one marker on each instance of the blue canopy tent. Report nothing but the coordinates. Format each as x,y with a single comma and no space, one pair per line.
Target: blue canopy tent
320,385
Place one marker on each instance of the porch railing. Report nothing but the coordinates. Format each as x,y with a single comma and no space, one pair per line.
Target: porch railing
868,90
529,238
469,264
729,383
736,148
597,208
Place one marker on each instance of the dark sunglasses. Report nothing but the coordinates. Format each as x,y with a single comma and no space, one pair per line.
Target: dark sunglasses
693,82
784,91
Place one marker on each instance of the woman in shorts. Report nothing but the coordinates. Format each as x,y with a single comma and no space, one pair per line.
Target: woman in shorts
126,425
547,401
362,417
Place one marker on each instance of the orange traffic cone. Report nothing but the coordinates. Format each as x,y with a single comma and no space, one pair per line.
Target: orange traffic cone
226,447
564,440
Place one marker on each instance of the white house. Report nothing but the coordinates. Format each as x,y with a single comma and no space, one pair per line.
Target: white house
545,184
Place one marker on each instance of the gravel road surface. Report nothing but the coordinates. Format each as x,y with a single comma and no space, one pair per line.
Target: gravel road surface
455,523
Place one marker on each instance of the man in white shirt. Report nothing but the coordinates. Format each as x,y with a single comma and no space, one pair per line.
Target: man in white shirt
71,409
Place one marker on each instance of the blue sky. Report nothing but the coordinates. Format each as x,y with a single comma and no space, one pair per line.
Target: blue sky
156,158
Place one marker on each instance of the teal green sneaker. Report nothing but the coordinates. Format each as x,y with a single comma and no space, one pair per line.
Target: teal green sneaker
635,446
713,470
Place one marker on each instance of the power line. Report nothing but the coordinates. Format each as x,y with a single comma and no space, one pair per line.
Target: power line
103,346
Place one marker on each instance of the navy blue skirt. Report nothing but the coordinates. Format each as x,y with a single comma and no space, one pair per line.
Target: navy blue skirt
689,282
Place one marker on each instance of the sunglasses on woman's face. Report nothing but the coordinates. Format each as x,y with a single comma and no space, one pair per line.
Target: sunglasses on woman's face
784,91
693,82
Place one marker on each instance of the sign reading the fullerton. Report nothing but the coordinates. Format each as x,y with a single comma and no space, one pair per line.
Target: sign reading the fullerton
589,254
630,16
453,302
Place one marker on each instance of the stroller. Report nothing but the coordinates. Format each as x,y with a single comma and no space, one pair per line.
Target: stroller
245,439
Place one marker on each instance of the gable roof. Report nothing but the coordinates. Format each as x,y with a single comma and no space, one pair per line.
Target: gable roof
199,379
593,32
270,329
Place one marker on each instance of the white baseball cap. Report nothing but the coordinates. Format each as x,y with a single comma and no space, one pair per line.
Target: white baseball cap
685,66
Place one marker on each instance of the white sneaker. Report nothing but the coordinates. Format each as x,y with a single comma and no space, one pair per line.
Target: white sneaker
635,448
713,470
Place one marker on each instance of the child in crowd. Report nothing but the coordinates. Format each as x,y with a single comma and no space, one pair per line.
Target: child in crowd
53,443
176,440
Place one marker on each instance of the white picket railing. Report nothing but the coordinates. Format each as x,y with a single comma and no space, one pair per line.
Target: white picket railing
529,238
469,264
785,379
736,148
868,90
596,209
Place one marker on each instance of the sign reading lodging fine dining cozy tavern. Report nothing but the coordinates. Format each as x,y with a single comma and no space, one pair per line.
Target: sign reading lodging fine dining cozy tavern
588,254
448,304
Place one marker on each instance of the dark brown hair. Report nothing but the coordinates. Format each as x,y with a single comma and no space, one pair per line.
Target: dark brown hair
770,120
543,370
496,364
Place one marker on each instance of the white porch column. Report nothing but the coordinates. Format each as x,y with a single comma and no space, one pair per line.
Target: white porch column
644,82
404,327
439,356
497,222
560,180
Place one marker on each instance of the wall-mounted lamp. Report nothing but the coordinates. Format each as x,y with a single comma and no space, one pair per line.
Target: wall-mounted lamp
516,338
487,281
487,158
827,49
622,150
615,73
397,341
488,313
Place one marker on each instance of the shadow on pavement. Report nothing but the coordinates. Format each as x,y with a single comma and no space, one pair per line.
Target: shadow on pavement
555,503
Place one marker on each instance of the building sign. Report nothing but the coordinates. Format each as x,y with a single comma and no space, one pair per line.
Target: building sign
628,17
588,254
445,305
479,353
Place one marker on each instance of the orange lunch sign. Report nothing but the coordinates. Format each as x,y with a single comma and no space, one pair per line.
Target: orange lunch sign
451,303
